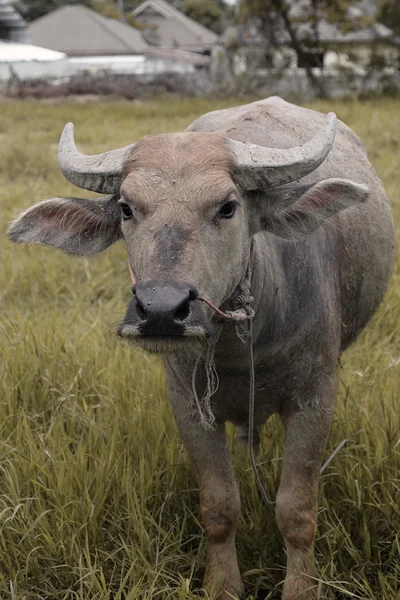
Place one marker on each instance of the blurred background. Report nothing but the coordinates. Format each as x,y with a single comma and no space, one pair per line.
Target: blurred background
130,49
98,499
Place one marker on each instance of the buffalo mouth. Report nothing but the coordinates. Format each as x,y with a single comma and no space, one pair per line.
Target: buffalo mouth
192,338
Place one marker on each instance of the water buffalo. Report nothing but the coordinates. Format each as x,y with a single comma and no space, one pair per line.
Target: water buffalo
265,187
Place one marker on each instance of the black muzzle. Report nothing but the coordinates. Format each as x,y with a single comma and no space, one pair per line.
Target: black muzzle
163,308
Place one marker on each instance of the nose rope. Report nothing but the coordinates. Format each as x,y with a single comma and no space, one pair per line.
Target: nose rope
242,301
239,315
133,278
233,315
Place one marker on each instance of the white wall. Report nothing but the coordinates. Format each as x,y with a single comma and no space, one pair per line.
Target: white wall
134,64
54,69
114,64
129,65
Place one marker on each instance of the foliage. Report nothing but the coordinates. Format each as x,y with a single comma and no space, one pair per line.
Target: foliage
206,12
33,9
298,21
284,17
389,14
308,11
109,9
97,498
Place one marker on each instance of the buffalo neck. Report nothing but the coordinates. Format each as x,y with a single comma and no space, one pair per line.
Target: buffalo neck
231,348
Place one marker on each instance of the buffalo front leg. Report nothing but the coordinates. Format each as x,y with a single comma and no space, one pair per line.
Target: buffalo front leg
307,431
220,505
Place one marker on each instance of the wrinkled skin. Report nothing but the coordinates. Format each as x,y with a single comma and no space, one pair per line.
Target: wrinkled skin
319,271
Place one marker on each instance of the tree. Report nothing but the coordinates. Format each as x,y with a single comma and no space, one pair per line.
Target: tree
206,12
294,18
389,14
210,13
111,10
33,9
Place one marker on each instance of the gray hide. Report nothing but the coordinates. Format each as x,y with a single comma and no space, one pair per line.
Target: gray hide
324,288
312,297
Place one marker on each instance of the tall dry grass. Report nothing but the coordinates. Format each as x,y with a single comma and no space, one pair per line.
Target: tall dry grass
97,496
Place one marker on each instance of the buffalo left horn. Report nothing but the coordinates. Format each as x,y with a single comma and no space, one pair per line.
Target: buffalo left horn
257,167
98,173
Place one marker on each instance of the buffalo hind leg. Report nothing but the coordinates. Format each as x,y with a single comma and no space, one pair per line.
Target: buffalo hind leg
307,431
220,505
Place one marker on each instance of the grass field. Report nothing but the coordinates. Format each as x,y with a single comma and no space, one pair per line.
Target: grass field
97,496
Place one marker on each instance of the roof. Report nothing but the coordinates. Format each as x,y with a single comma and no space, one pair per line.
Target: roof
13,52
79,31
173,28
12,26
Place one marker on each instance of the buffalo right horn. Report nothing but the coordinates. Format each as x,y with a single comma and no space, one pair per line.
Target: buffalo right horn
98,173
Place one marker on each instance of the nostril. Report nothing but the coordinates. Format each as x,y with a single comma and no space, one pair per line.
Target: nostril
141,311
193,293
183,312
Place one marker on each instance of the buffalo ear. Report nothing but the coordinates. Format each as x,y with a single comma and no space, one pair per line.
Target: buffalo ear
78,226
297,210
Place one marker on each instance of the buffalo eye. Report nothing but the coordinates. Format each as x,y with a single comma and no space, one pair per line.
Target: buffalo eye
126,211
227,210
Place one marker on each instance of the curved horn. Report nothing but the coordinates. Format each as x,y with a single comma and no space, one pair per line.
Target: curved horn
256,167
99,173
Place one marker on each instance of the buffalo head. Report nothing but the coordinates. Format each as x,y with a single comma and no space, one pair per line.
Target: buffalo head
187,206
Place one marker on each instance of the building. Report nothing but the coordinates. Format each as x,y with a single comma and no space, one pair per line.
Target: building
167,27
92,42
24,61
95,44
12,26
